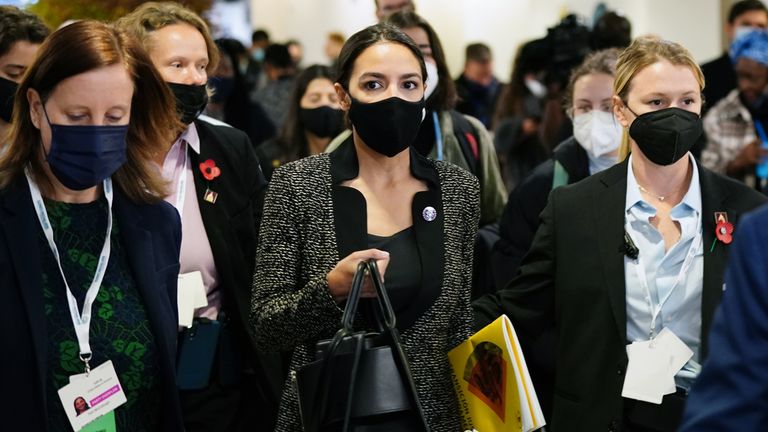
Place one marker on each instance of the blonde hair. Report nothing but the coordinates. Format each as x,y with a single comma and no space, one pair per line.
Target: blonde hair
152,16
153,119
643,52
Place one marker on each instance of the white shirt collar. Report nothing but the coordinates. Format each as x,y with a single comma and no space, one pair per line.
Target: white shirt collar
191,137
692,198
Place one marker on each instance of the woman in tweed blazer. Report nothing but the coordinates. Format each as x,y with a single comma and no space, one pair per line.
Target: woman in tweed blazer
321,213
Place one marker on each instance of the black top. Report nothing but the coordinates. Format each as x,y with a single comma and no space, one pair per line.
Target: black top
403,275
720,78
120,329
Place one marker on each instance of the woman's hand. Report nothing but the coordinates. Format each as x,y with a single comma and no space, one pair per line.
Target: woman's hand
340,278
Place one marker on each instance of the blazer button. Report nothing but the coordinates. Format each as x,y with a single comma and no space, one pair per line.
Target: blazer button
620,371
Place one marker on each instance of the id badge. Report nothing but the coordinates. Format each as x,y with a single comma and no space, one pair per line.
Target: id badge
649,373
89,398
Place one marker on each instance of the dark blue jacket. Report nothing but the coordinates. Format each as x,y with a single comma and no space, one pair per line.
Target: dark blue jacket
731,394
151,235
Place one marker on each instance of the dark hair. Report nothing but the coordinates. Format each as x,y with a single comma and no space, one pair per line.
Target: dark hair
237,105
367,37
277,55
444,96
292,138
531,57
16,25
259,35
478,52
153,124
599,62
611,31
744,6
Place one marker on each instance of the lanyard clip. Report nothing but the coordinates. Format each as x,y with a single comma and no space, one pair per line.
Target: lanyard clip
86,358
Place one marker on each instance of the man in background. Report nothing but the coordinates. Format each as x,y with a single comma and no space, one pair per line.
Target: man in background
385,8
720,76
477,88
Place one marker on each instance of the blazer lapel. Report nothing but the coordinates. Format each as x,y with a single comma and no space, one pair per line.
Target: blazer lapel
21,230
713,199
608,208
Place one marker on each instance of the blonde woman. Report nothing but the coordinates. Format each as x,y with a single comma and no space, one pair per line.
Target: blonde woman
630,256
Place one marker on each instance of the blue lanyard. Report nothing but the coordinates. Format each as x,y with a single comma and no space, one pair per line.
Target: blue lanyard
438,136
761,132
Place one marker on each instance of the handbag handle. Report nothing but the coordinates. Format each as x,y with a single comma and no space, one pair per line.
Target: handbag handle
355,293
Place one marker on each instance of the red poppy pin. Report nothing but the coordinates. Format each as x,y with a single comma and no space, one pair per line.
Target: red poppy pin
210,170
723,229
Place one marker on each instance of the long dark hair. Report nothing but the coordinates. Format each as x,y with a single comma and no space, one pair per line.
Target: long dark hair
367,37
444,96
293,139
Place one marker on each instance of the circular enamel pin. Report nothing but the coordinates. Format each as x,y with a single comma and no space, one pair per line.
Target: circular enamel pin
429,213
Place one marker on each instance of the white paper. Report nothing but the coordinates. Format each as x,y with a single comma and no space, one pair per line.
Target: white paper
100,391
190,296
677,349
649,373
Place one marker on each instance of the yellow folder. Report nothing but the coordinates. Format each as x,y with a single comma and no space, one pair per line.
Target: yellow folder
492,382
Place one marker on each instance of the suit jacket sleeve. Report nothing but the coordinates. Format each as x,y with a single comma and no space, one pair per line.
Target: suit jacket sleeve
528,299
732,391
286,307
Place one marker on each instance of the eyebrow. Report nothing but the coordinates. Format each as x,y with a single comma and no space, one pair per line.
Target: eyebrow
690,92
382,76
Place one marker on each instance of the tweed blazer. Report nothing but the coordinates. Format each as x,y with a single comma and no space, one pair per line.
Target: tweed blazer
299,244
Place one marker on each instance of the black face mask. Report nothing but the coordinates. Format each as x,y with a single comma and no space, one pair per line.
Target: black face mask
666,135
388,126
7,92
324,121
190,100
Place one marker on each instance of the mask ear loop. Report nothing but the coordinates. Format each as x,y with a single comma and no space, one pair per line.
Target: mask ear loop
50,126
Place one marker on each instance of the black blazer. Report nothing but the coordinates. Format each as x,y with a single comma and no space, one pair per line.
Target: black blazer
152,238
232,223
571,287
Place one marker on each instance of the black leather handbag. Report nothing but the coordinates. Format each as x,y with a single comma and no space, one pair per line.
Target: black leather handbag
360,381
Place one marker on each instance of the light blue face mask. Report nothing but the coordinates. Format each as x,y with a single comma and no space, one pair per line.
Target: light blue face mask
258,55
83,156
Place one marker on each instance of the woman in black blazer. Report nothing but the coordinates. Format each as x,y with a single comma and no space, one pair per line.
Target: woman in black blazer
579,299
376,198
217,186
75,168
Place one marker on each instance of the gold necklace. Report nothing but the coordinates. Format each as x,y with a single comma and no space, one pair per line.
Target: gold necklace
658,197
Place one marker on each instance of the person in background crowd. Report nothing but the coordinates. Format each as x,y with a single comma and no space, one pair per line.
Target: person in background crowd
593,148
445,134
230,102
76,188
629,255
21,34
274,96
376,198
611,30
734,146
217,188
254,73
478,90
384,8
719,73
297,53
314,117
518,115
332,47
730,392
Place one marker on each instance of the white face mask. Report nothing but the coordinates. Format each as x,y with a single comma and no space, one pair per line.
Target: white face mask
432,79
597,132
536,87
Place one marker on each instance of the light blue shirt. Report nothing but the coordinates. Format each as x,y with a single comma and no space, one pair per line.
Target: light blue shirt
682,311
